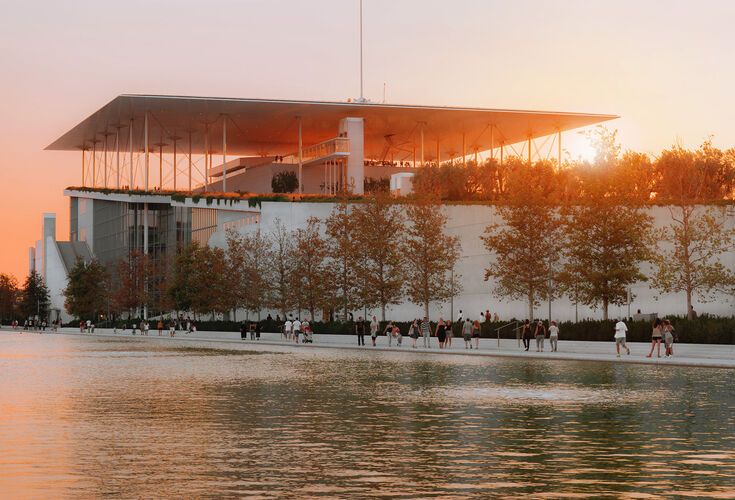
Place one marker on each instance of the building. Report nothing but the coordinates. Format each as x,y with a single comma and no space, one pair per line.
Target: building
149,163
52,260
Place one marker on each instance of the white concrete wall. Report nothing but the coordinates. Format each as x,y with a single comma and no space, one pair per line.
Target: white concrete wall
469,222
56,280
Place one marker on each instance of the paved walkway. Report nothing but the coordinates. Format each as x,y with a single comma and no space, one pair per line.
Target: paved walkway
705,355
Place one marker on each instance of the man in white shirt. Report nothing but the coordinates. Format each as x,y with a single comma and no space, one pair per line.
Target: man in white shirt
287,329
620,330
296,329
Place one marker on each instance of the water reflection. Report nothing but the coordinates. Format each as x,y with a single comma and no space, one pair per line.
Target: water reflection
90,417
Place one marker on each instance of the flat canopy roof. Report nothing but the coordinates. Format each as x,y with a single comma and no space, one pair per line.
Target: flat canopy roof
257,127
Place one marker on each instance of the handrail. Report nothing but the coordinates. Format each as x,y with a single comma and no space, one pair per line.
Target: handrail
497,331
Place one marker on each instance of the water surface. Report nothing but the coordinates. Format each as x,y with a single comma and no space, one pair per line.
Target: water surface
88,417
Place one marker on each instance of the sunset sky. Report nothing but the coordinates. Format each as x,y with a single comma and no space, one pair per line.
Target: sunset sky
665,67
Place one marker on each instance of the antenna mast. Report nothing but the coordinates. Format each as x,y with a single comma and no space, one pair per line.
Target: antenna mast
362,97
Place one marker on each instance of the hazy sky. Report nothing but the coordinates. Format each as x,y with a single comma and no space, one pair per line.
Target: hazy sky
665,67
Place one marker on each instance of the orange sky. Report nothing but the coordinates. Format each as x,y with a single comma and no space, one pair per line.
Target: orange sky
665,67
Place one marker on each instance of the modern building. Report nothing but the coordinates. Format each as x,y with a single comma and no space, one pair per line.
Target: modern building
158,172
52,260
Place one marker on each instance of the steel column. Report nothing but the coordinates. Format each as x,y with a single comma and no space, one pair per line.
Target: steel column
117,158
147,156
174,138
83,180
422,144
464,151
224,153
94,163
130,139
190,161
529,151
492,142
559,150
105,157
301,159
206,161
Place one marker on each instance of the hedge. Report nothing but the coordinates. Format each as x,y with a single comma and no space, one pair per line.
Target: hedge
703,330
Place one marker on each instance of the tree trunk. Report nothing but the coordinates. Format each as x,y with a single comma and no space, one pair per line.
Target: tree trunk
382,312
426,309
689,304
605,304
530,306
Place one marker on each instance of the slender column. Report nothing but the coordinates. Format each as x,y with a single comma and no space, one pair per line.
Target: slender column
105,157
464,152
422,144
559,150
529,151
325,177
224,153
175,165
94,163
438,154
492,143
160,164
502,150
190,161
147,161
83,180
117,157
301,159
130,146
206,161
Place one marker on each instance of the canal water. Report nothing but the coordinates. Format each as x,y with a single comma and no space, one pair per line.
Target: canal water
89,417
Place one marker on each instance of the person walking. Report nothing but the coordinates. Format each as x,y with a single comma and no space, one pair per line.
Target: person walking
243,331
296,327
413,332
526,334
398,335
450,333
656,336
252,330
287,328
540,336
476,330
374,326
621,330
426,332
467,333
388,332
668,338
553,336
172,329
441,333
360,328
146,327
160,327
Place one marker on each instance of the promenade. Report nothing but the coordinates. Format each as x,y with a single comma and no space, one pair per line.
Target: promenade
702,355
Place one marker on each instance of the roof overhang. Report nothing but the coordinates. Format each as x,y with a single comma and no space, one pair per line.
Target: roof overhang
260,127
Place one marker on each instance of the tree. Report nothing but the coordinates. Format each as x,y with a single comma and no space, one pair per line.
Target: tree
8,296
237,275
131,294
256,258
430,254
310,280
380,271
285,182
281,262
692,264
606,243
343,254
34,297
199,280
86,294
527,244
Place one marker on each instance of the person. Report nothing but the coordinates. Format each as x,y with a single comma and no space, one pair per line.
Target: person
172,328
160,327
467,333
134,327
450,333
360,331
252,330
397,334
540,336
526,335
476,330
656,336
441,332
620,332
89,324
296,327
269,317
413,332
257,330
693,312
496,318
668,338
388,332
287,328
146,325
374,326
553,336
426,332
243,331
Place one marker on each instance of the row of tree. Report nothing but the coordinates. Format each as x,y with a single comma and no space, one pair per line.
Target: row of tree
25,301
704,175
363,256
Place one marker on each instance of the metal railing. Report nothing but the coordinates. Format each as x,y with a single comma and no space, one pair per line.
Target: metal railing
320,150
514,323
